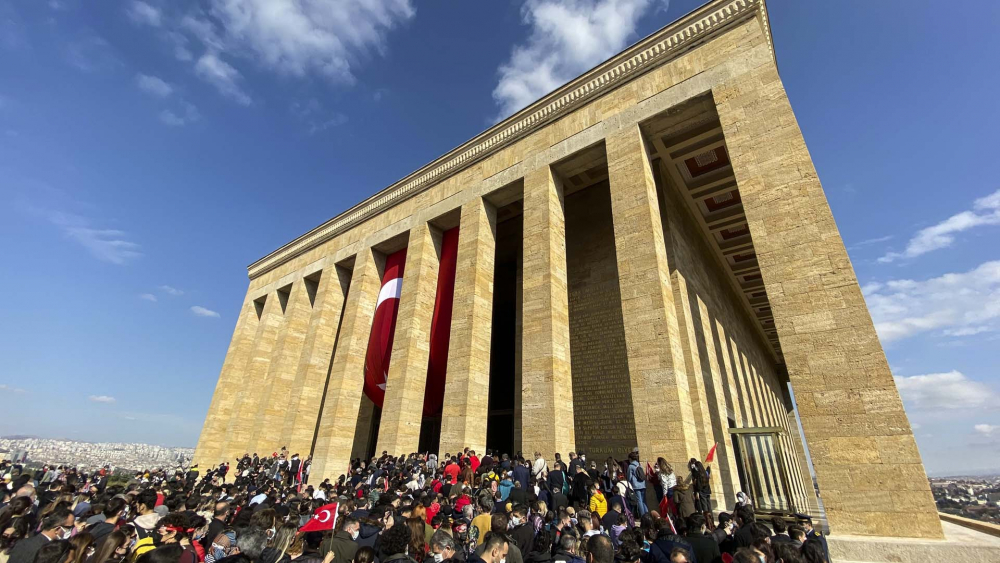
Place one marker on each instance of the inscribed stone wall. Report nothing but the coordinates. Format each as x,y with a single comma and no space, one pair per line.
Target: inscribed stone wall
602,396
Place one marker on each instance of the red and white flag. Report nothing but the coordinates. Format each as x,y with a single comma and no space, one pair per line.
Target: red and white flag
325,518
383,327
437,361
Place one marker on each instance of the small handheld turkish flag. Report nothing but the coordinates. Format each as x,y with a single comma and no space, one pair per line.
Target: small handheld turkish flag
325,518
711,454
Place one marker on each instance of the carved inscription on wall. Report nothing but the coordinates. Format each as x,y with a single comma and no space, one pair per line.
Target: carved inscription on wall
602,397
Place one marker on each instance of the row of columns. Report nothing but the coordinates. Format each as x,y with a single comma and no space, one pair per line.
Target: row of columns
271,385
665,419
279,387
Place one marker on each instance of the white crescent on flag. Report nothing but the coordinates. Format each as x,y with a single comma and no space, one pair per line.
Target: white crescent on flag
321,518
390,290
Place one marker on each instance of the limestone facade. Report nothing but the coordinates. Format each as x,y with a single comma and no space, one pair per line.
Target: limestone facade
708,220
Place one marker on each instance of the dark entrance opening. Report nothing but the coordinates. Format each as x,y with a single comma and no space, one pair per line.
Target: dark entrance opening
505,342
430,433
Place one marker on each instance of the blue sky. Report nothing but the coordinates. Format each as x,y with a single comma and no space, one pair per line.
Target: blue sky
150,150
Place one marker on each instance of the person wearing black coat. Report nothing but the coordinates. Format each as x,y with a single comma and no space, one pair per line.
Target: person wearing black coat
521,474
557,478
523,533
55,526
666,541
517,495
580,494
744,534
611,517
706,549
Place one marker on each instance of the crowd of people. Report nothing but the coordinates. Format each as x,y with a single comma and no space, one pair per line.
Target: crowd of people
461,508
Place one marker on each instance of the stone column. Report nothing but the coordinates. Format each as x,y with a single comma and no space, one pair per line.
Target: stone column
299,426
210,443
335,437
363,429
466,394
240,432
276,395
698,373
866,460
402,411
546,384
664,421
725,458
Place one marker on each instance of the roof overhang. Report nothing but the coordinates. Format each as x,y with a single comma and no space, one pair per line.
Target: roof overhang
660,47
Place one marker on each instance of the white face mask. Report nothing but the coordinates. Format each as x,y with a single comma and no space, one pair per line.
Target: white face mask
515,521
355,534
438,557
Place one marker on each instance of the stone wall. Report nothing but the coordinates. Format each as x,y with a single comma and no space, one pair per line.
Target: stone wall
602,396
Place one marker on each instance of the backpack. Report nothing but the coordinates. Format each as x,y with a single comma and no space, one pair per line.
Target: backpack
640,474
632,498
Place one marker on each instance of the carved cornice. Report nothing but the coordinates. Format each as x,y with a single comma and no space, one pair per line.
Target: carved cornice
649,53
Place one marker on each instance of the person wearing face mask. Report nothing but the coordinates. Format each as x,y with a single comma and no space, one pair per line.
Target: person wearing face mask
56,526
222,546
521,532
443,549
342,543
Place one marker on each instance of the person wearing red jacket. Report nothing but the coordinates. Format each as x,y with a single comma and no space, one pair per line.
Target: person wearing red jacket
451,471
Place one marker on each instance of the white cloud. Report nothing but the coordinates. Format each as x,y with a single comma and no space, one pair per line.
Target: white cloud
223,76
144,14
101,399
203,312
944,391
302,38
958,304
9,389
153,85
316,117
986,429
985,211
108,245
871,241
290,37
91,53
169,290
148,297
185,115
567,37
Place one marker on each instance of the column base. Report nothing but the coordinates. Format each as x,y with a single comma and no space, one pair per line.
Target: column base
960,544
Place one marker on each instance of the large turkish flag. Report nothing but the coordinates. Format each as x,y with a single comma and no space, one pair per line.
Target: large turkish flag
383,327
437,364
